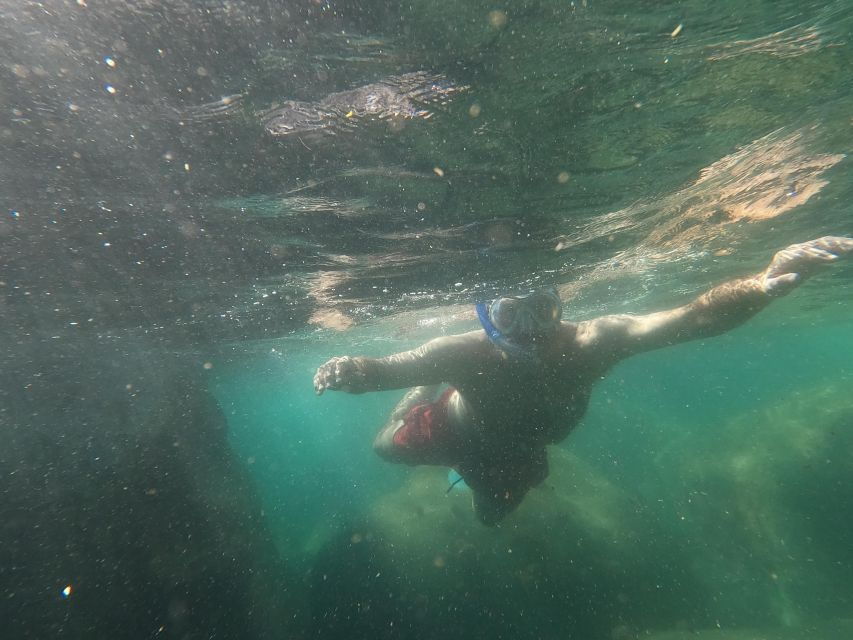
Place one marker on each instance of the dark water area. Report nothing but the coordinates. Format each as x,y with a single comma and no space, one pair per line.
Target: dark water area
202,201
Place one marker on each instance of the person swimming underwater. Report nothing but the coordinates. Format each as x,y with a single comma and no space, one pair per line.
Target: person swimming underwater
524,380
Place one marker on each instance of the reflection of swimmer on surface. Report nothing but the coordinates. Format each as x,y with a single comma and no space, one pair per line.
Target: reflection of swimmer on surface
524,381
406,97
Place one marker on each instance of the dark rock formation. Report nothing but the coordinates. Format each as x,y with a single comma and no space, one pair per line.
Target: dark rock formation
123,512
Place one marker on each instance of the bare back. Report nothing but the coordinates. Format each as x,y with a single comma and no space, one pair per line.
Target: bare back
512,403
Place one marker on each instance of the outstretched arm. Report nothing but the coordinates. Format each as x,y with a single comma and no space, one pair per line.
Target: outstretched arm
720,309
443,359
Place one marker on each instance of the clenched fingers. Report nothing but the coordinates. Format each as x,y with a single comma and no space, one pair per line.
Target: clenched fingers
336,374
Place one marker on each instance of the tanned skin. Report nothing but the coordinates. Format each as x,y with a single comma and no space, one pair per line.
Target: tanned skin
507,410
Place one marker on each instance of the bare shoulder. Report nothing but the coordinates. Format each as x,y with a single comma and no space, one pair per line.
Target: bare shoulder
606,331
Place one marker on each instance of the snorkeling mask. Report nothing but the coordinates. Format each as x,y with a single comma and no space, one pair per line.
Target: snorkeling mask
513,322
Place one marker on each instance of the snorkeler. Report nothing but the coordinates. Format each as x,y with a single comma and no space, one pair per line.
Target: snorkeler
524,380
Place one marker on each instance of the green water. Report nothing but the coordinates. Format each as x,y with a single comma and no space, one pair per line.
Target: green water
171,276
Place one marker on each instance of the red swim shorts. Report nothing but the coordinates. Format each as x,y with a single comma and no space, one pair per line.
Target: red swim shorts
425,436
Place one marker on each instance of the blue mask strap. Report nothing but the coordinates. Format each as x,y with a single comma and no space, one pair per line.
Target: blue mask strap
498,339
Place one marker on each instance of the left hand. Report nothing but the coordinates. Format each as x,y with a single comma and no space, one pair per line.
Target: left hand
793,264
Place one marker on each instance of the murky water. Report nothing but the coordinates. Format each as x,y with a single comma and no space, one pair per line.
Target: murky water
204,201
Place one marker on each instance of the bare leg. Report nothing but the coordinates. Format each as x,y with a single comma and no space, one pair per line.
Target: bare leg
384,442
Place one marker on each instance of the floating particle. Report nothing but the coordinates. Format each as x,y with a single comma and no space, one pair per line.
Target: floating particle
421,206
186,166
497,19
14,214
81,3
563,177
474,110
66,592
676,31
201,72
110,89
438,171
110,62
208,366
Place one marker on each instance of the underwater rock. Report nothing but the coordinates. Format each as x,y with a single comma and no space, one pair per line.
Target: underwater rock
123,512
770,501
578,555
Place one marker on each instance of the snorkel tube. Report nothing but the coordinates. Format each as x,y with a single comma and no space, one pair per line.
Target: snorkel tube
500,340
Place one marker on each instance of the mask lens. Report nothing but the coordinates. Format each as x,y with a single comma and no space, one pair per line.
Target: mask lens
504,314
545,309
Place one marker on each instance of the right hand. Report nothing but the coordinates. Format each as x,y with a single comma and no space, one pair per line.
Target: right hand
338,374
